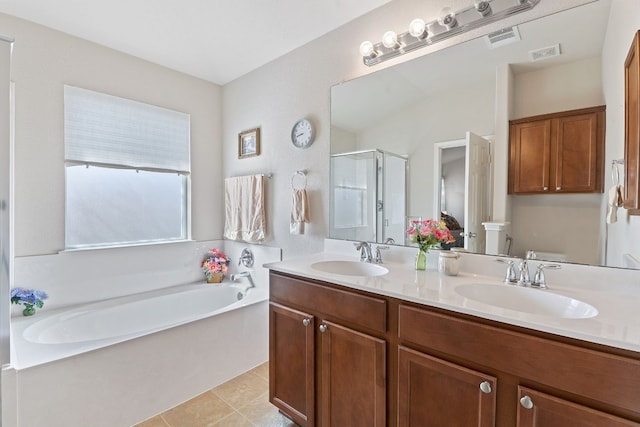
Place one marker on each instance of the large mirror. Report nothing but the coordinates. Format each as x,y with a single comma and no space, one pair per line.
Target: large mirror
419,110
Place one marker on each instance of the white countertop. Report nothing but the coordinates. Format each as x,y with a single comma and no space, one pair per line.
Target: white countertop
617,323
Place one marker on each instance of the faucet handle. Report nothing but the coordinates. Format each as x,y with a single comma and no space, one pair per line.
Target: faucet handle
510,275
539,281
378,259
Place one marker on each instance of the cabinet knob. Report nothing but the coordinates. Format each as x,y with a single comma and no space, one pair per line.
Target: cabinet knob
526,402
485,387
306,322
323,328
545,188
558,188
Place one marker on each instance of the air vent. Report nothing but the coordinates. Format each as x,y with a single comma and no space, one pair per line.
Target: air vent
503,37
544,53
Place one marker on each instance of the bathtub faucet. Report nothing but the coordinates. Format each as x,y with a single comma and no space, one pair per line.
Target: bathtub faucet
247,274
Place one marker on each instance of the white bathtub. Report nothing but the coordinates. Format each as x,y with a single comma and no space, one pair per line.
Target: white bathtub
136,315
119,361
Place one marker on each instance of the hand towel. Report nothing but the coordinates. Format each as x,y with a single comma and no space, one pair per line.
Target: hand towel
245,217
299,211
613,200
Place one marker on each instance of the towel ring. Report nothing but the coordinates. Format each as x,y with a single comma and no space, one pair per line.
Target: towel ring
303,178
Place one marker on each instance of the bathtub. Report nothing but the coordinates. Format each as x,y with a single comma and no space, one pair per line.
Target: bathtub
119,361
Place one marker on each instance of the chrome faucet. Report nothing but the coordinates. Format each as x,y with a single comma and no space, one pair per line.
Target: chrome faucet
365,251
247,274
524,279
539,281
510,275
378,259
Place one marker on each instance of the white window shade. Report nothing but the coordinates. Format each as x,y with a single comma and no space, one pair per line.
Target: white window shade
111,131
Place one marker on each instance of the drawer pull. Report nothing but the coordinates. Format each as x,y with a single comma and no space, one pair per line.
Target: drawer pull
485,387
526,402
558,188
323,328
306,322
545,188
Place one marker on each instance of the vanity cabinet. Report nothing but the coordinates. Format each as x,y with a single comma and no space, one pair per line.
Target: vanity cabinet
433,392
344,357
558,153
564,383
328,354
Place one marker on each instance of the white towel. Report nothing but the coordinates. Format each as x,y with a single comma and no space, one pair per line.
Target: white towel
245,217
614,200
299,211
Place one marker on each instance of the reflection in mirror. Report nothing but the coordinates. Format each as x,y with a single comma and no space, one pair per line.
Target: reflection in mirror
408,108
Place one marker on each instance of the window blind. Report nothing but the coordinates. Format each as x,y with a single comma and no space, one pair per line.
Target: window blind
112,131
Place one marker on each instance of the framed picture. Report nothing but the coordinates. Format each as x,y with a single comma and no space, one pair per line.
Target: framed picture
249,143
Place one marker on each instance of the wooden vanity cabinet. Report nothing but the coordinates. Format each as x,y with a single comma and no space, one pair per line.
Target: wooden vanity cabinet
558,153
565,383
328,354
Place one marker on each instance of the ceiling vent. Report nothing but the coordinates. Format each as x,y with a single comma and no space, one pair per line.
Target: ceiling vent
544,53
503,37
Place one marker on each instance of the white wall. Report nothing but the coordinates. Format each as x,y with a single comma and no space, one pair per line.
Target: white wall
297,85
626,15
43,61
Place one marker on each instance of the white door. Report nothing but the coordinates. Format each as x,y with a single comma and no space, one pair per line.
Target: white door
476,192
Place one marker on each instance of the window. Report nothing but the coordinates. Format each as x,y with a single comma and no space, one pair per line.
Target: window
127,171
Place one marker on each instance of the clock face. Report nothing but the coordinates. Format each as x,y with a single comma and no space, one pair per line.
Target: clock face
302,133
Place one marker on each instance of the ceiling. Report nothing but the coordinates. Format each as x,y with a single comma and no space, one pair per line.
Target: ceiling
216,40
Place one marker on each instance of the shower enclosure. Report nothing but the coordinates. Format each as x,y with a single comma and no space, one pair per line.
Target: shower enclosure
368,196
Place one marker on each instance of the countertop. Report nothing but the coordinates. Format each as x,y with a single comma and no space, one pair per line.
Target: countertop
617,323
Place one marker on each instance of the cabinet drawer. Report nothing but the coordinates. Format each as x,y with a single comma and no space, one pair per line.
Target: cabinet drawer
347,306
612,379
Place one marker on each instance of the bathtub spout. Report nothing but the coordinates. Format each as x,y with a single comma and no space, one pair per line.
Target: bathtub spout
247,274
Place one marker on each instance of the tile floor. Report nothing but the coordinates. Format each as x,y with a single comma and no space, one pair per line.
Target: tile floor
240,402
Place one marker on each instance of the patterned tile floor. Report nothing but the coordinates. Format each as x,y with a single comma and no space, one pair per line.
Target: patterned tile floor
240,402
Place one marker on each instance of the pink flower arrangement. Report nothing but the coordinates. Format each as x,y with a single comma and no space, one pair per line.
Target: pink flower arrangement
429,233
215,262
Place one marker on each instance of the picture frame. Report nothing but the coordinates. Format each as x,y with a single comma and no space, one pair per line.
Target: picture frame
249,143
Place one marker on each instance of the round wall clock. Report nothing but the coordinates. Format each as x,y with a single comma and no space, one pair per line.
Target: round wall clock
302,133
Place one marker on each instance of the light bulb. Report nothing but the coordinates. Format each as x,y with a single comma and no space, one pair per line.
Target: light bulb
366,49
483,7
447,18
418,29
390,40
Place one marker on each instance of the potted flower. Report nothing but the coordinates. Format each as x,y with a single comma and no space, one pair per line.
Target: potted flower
428,234
215,265
30,298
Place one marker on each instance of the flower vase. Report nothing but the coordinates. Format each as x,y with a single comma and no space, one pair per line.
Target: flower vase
421,260
215,278
29,310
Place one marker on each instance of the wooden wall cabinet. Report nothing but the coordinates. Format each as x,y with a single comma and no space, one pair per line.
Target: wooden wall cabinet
558,153
632,128
341,357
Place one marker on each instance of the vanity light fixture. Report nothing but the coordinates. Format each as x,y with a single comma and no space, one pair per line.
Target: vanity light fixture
448,24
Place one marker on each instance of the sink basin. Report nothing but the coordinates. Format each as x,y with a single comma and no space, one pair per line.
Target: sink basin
527,300
350,268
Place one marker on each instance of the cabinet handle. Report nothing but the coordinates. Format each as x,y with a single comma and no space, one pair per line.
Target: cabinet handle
323,328
306,322
545,188
485,387
526,402
558,188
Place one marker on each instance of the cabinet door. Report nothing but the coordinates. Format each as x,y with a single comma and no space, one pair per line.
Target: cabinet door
542,410
576,154
433,392
291,363
353,389
529,156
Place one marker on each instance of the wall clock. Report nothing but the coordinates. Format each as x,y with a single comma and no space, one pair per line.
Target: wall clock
302,133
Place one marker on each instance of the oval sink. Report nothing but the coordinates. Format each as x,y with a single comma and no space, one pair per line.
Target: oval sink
527,300
350,268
